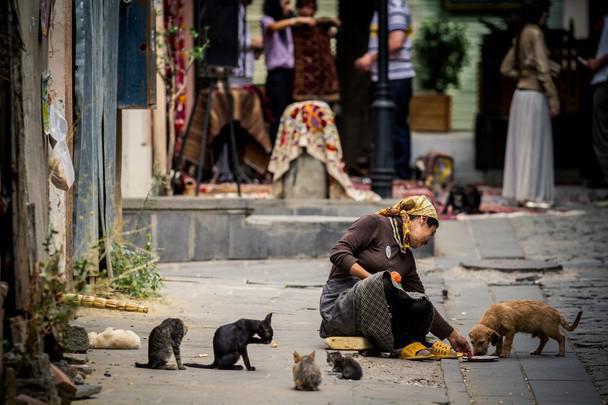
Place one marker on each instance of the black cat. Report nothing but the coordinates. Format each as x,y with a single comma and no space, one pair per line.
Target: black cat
230,343
165,339
348,367
463,199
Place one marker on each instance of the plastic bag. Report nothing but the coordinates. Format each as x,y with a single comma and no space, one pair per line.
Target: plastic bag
62,169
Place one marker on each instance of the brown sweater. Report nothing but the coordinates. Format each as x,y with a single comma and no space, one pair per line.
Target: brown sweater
369,241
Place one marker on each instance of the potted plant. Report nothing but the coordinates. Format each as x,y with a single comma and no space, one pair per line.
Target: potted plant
441,53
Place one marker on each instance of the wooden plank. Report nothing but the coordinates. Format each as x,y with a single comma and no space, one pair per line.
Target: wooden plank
69,117
109,91
348,343
86,188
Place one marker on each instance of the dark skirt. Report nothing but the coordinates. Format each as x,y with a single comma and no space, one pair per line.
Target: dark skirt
337,308
349,308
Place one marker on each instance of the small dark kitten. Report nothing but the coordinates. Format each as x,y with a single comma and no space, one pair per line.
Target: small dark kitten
306,373
164,340
230,343
348,367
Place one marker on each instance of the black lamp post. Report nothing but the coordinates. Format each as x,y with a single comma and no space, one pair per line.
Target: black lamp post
382,110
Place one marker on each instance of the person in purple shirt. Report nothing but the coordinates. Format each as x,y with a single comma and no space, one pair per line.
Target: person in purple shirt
278,54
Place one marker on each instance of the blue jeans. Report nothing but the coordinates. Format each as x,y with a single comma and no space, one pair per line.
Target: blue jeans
400,93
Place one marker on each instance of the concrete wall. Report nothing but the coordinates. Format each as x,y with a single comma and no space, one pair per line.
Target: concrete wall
194,229
578,12
136,175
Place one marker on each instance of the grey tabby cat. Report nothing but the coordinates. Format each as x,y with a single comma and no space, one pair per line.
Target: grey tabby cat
165,339
346,366
306,374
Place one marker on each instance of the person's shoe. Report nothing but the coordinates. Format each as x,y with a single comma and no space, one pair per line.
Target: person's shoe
602,202
538,205
416,351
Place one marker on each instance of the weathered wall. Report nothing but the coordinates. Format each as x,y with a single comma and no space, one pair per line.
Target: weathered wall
57,60
32,154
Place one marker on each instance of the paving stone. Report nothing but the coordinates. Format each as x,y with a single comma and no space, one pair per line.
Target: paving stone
565,392
512,265
551,368
517,292
454,239
509,382
457,393
495,239
504,400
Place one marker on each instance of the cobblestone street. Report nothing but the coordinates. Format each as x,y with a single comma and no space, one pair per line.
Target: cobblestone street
580,243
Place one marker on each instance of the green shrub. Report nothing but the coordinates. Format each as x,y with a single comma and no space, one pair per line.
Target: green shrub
441,51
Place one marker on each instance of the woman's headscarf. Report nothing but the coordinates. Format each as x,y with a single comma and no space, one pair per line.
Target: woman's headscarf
418,205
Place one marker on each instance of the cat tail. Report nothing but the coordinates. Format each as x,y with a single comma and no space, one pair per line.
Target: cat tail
197,365
570,328
142,365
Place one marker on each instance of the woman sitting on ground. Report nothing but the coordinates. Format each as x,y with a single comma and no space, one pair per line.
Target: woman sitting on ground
374,289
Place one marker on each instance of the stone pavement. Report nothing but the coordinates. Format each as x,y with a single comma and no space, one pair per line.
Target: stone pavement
208,294
577,241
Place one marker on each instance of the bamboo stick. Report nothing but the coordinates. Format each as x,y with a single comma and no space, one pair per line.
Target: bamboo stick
104,303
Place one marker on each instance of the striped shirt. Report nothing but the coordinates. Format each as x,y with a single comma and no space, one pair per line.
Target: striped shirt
399,19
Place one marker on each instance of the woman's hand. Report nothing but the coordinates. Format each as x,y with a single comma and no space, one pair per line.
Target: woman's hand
365,62
305,21
460,343
358,271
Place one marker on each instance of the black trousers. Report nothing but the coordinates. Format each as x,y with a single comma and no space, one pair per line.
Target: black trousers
600,125
279,89
410,318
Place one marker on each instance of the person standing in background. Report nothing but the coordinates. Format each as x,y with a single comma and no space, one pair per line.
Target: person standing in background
599,66
248,46
400,74
278,53
529,174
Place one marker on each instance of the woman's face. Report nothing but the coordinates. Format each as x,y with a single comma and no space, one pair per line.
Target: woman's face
306,11
421,232
286,7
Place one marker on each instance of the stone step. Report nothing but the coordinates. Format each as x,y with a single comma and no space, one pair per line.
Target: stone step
211,233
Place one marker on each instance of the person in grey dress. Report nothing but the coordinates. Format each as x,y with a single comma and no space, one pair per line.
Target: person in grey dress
528,174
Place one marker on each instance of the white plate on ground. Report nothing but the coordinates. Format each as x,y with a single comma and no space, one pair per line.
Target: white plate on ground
481,358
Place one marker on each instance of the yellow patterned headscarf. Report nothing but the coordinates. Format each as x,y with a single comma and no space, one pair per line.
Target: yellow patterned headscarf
418,205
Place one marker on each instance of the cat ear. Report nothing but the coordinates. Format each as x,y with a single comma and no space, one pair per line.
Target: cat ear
296,357
312,355
268,318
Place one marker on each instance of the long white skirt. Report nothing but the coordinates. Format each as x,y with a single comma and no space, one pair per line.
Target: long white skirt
528,174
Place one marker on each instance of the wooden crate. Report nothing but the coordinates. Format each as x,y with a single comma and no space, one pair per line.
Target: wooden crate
431,112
